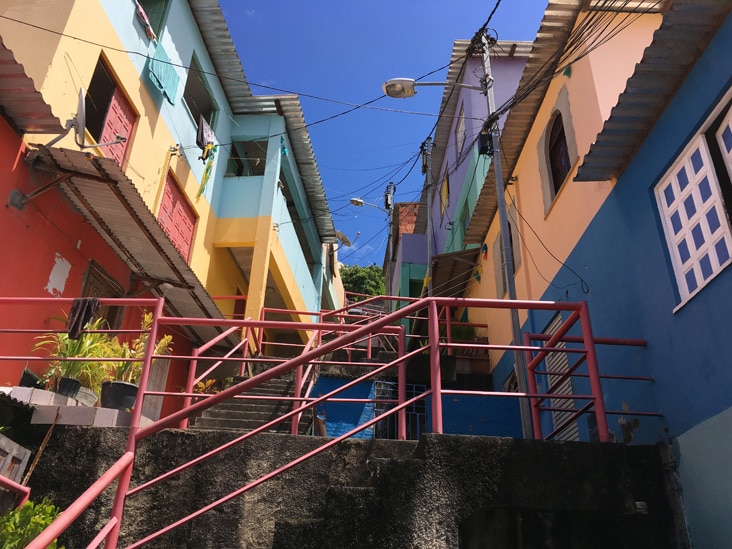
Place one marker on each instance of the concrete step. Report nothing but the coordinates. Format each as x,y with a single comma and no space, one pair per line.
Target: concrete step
245,425
245,414
257,415
272,386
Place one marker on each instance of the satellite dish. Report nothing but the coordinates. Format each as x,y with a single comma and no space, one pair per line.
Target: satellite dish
80,119
78,122
343,238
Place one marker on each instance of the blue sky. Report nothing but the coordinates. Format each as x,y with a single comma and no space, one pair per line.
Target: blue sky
340,53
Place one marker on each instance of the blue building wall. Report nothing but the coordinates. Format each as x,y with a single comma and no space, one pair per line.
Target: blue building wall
478,415
341,417
623,259
462,415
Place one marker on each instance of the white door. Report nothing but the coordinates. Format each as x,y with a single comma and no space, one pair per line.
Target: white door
158,377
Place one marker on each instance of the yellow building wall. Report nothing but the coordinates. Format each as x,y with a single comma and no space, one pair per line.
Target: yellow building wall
592,85
60,65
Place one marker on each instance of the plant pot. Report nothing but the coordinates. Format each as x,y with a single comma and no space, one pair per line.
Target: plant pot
30,379
87,397
68,387
119,395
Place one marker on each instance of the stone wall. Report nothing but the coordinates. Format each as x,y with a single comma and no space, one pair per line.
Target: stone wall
447,491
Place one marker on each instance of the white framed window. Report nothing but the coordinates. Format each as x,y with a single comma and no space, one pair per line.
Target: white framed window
693,212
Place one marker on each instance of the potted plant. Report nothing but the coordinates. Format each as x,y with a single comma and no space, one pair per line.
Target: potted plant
119,391
76,370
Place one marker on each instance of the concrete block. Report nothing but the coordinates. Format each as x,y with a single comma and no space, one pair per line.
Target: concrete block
105,417
22,394
77,415
44,415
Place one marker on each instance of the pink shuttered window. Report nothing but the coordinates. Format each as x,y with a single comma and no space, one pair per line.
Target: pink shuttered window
120,119
109,113
177,217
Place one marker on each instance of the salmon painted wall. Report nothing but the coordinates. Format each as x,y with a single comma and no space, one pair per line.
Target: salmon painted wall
586,93
46,252
60,74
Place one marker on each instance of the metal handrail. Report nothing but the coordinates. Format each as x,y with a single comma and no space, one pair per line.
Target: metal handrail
381,326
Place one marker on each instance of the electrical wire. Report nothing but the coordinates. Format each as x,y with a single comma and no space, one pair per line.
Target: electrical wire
582,283
352,252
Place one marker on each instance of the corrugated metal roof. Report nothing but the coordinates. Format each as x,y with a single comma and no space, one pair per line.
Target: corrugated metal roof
448,107
215,32
555,28
289,107
687,28
110,202
221,49
451,272
20,100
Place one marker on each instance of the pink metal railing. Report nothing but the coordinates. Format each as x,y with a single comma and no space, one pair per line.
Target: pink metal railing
345,335
16,488
535,357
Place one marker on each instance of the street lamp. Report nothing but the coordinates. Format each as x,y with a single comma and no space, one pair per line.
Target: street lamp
400,88
389,210
404,87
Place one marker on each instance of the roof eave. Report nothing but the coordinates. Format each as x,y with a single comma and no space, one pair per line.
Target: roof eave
686,29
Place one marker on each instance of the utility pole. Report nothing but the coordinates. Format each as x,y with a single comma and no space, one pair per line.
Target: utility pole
389,207
480,43
427,169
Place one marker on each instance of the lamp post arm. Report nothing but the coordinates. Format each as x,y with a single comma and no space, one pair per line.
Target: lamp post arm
452,85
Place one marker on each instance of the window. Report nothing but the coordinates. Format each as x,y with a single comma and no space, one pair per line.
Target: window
108,113
155,11
460,133
177,217
163,75
197,96
444,194
558,364
692,209
98,283
557,150
247,158
558,153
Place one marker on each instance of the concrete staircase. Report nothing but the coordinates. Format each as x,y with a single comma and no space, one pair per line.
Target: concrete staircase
481,492
248,414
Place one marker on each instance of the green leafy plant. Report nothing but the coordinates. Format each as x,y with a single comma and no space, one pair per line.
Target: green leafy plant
207,386
19,526
131,370
103,347
89,346
462,332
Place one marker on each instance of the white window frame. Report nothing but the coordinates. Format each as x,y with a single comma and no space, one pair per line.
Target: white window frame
690,214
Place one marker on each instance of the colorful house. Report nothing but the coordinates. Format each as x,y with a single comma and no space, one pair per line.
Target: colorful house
618,173
169,178
458,171
577,68
665,236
